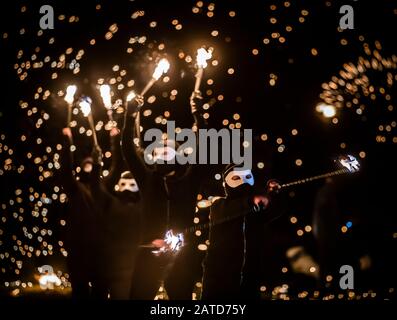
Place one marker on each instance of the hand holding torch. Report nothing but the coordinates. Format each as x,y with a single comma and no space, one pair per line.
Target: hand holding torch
161,68
349,165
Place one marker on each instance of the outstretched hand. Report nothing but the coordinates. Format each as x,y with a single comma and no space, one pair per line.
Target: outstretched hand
260,202
159,243
273,186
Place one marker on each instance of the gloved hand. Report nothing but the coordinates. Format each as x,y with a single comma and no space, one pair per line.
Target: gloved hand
273,186
135,105
260,203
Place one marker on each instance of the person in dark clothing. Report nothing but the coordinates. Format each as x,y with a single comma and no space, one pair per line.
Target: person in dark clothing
168,195
233,260
108,220
84,234
122,222
338,203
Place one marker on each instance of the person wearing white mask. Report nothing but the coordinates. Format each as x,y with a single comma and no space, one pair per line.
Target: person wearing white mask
232,263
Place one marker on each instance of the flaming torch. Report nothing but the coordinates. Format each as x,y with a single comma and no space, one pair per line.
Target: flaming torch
69,98
173,242
162,67
107,102
349,165
202,57
85,107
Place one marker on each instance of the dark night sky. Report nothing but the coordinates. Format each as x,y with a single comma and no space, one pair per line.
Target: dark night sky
272,110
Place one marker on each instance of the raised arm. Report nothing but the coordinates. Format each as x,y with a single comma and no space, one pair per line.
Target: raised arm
116,166
132,153
66,173
193,171
95,176
196,107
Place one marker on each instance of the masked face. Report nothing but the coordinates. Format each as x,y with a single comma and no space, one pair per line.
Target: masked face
127,184
87,167
165,154
237,178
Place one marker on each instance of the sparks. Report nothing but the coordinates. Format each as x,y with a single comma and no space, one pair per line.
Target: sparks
174,241
350,163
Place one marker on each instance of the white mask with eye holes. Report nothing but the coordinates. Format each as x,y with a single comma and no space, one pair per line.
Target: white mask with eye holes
236,178
164,154
127,184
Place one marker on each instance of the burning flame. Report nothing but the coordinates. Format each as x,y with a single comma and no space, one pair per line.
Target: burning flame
131,96
202,57
327,110
162,67
85,106
106,97
350,163
48,278
70,91
47,281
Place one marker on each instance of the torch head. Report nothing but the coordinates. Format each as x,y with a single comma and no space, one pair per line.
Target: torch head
174,241
202,57
349,162
70,92
85,105
106,97
131,95
162,67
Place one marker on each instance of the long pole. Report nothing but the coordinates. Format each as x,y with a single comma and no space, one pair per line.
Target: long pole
91,122
199,77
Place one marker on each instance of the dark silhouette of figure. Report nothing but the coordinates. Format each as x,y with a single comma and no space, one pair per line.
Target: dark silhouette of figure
232,265
85,236
168,195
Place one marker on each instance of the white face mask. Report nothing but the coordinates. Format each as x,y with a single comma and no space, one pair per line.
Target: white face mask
164,153
236,178
125,184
